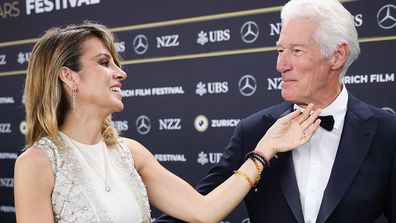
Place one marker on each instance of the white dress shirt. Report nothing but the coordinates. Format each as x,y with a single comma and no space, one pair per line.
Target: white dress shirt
314,160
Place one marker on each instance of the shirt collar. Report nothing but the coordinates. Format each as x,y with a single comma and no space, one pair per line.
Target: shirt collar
337,108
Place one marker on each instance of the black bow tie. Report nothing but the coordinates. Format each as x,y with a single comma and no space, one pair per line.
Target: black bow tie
327,122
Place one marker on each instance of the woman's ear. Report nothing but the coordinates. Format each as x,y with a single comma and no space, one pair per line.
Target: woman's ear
340,56
68,77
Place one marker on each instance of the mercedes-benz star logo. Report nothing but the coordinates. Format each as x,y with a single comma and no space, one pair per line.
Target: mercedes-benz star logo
143,125
247,85
140,44
386,16
249,32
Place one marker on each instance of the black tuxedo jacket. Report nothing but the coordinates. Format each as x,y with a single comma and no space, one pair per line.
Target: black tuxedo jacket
362,184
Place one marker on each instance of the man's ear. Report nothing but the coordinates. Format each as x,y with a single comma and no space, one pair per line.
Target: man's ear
68,77
340,56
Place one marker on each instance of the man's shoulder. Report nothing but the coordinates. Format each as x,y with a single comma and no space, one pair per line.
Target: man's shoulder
368,111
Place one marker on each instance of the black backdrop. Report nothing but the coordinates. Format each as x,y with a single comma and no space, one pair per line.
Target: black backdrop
195,68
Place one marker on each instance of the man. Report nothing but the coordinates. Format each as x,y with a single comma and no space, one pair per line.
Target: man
347,171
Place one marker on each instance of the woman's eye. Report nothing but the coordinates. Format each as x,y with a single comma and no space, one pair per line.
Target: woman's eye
104,63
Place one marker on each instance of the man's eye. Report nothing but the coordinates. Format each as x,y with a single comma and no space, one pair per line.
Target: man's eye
297,51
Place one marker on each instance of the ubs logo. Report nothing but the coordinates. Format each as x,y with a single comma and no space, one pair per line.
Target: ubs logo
247,85
120,46
140,44
23,57
249,32
121,126
143,125
386,16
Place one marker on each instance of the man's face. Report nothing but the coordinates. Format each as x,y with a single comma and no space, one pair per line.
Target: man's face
305,74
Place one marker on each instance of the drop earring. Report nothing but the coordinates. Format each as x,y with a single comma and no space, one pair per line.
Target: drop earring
74,97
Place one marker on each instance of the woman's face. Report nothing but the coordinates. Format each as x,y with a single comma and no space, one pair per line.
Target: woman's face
99,80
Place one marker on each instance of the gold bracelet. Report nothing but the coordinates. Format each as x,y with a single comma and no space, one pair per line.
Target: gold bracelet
242,174
258,170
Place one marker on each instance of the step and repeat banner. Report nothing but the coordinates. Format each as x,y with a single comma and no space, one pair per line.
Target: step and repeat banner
195,68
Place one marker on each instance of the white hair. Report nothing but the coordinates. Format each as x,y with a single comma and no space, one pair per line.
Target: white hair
335,26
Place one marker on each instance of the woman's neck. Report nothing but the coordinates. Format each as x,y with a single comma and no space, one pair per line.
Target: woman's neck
82,128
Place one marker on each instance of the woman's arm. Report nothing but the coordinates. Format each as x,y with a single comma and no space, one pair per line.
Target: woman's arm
174,196
33,184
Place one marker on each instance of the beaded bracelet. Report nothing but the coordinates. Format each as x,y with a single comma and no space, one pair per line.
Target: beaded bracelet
242,174
259,153
255,156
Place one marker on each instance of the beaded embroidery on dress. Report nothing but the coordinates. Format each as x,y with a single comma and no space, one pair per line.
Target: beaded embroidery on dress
73,200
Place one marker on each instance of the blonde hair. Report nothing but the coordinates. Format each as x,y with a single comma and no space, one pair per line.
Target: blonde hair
45,99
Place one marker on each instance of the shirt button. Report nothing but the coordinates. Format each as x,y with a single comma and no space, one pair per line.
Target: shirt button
315,162
312,189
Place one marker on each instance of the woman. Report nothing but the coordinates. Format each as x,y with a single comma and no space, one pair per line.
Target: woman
77,169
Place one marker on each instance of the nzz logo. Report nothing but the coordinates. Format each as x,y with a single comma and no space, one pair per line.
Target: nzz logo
168,41
170,124
3,60
5,128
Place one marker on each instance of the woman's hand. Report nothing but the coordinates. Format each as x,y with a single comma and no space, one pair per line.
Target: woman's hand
289,132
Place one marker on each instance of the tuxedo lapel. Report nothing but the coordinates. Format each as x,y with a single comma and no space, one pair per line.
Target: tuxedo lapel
358,132
283,167
288,182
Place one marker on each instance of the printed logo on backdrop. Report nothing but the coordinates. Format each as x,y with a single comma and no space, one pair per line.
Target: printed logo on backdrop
168,41
201,123
143,125
275,28
120,46
213,36
211,158
369,78
5,128
274,83
170,124
121,126
211,88
23,57
155,91
386,16
170,157
7,100
8,156
3,60
247,85
36,7
23,127
390,110
7,209
7,182
140,44
249,32
246,220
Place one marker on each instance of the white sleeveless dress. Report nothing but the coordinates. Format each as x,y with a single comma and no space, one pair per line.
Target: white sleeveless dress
79,193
